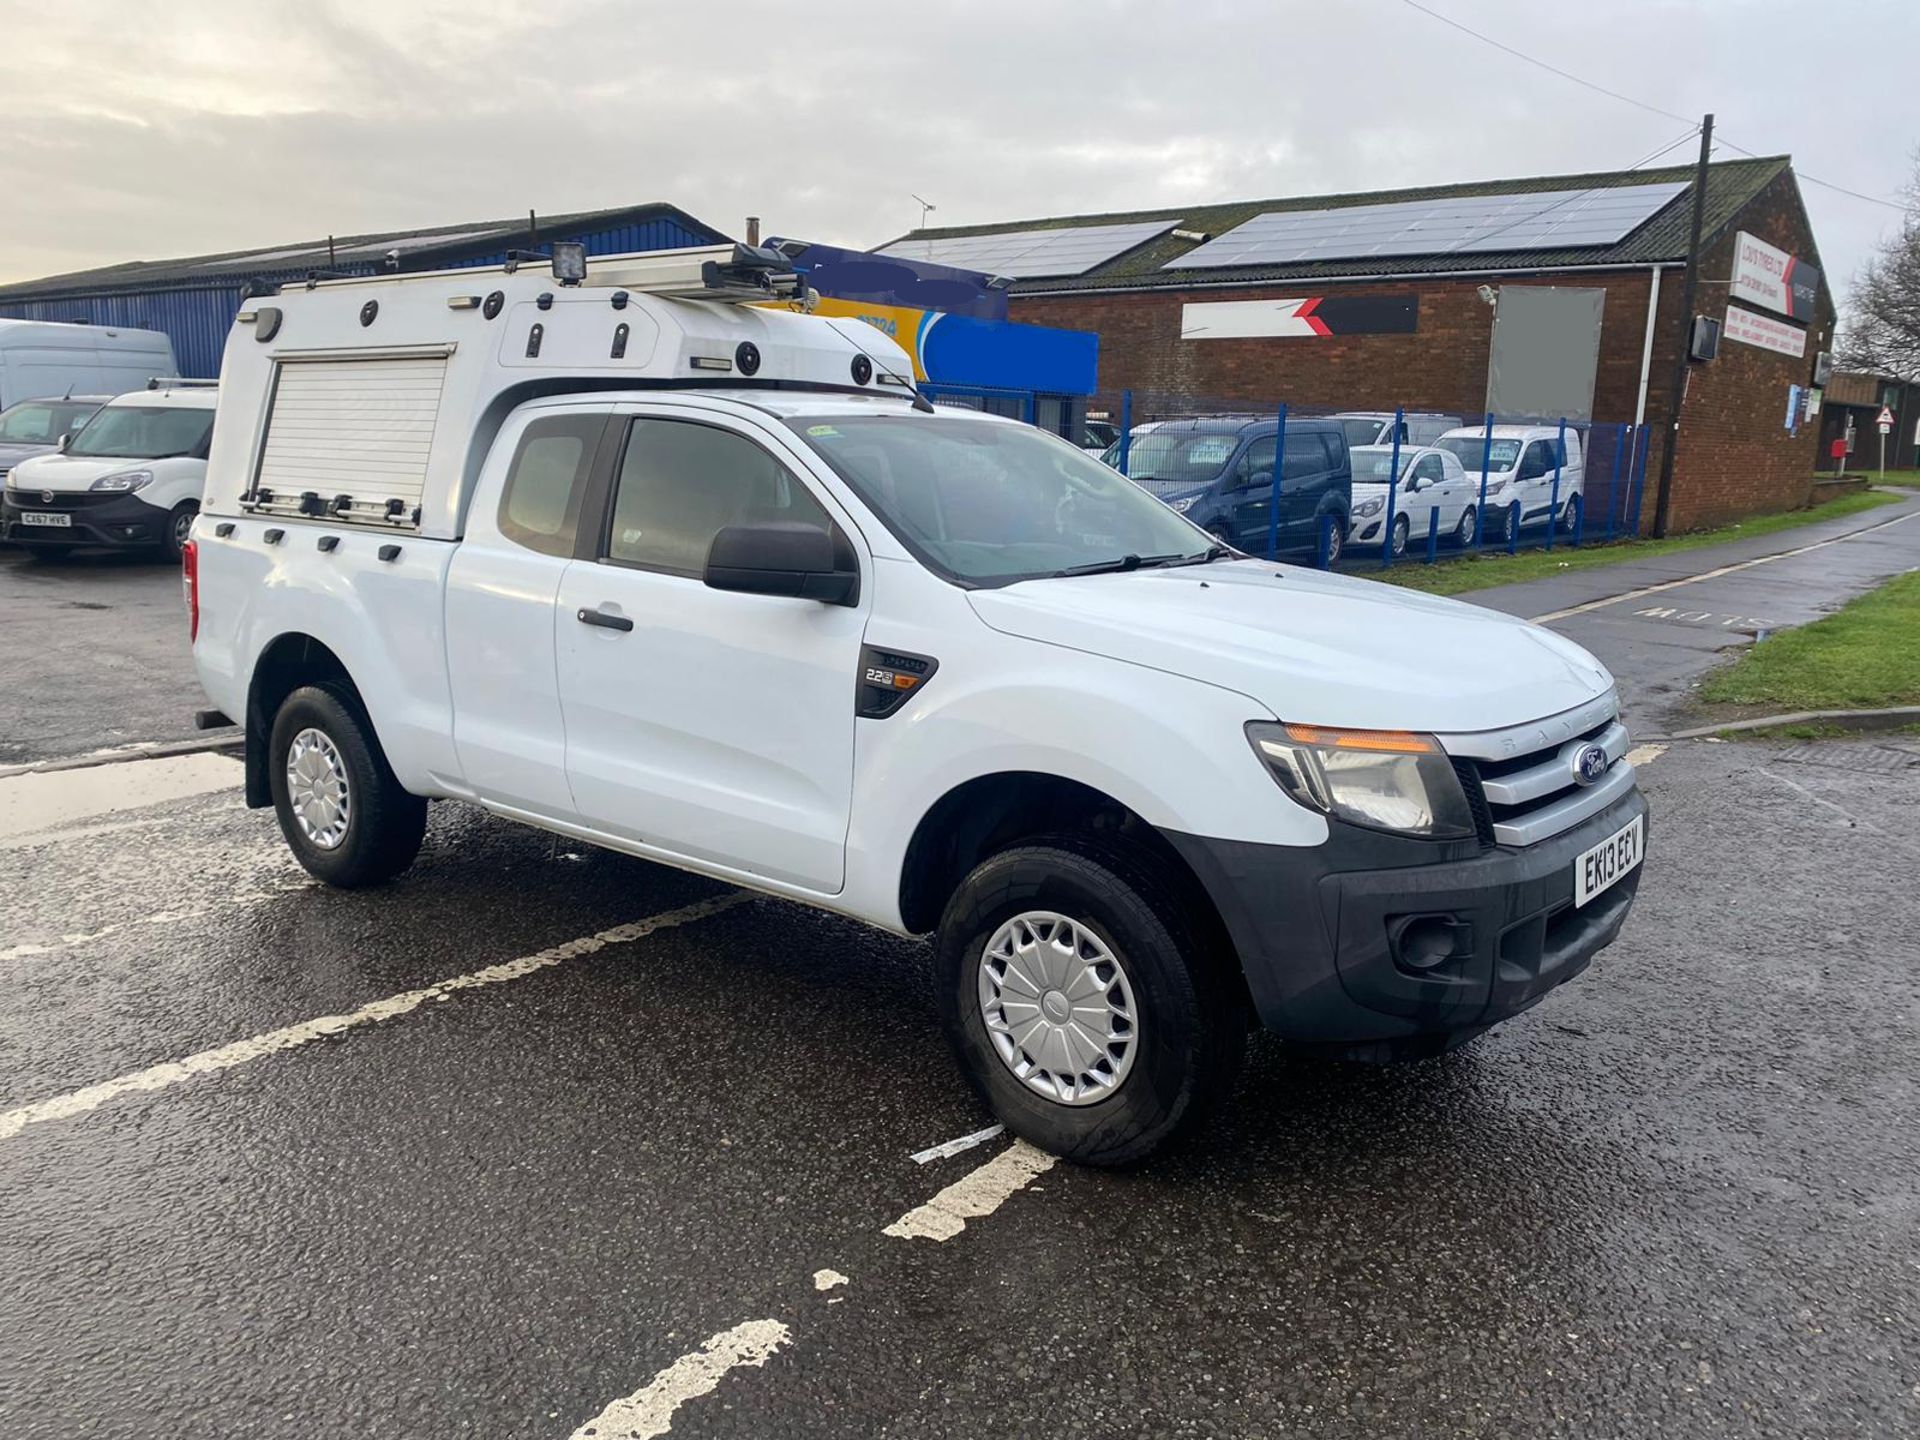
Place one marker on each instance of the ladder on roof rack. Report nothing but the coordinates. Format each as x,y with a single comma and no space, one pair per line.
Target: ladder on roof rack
743,274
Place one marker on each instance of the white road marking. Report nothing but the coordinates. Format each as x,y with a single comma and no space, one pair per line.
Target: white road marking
31,948
1645,755
974,1195
1715,574
45,801
954,1147
36,839
649,1412
242,1052
827,1279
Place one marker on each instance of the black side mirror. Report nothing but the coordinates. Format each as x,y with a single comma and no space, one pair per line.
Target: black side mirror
780,558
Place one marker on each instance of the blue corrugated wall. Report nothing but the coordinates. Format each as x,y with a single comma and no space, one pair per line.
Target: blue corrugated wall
197,316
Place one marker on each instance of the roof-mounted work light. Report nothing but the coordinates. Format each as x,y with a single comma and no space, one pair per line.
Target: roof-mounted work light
569,261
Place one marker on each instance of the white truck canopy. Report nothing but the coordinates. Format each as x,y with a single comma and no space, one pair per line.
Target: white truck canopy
373,401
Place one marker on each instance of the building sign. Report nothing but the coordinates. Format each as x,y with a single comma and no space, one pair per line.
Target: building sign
1769,334
1306,318
1772,278
963,350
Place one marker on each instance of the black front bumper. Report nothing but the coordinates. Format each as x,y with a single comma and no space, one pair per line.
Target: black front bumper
103,519
1329,937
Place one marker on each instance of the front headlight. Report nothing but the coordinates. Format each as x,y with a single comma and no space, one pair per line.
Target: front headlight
1382,779
1369,507
1184,503
123,480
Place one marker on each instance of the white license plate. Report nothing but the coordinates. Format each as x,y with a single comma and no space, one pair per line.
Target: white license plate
1605,863
46,517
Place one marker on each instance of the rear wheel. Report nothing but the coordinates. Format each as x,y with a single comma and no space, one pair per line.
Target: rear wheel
1570,515
1082,1001
1333,538
180,529
346,817
1463,532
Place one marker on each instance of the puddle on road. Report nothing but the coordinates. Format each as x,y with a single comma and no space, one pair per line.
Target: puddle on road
31,804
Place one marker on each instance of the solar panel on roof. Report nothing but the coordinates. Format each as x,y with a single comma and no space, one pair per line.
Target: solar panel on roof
1540,220
1024,254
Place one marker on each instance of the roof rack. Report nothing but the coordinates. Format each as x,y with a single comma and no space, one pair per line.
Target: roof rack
176,382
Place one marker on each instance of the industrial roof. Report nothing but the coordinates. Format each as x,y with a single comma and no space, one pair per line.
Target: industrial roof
1731,186
419,250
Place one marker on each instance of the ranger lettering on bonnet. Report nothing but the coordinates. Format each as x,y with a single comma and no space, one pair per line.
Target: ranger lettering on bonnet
605,550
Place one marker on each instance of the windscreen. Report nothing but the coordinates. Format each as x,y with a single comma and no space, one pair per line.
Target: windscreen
985,503
43,422
142,432
1362,431
1373,465
1469,449
1170,461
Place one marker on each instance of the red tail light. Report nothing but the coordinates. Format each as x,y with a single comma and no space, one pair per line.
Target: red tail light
190,578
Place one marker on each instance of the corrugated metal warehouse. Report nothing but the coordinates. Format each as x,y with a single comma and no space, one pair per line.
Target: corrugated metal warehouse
194,300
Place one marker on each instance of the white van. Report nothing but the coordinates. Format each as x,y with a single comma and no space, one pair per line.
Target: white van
129,478
711,584
1528,481
40,358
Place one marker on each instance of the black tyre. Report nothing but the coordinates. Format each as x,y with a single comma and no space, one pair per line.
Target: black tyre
1402,531
1570,515
1084,1003
345,816
1333,538
1463,532
1510,523
179,529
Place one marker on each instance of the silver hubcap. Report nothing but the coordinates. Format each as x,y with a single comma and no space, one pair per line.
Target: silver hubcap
1058,1006
317,788
182,528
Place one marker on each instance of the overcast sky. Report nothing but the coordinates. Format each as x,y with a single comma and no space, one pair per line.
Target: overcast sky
137,130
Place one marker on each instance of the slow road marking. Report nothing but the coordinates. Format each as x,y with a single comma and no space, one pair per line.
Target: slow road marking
649,1411
274,1042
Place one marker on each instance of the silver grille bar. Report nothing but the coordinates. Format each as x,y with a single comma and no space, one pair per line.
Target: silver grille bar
1554,773
1550,820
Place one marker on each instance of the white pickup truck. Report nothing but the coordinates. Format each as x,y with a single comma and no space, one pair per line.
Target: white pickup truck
602,550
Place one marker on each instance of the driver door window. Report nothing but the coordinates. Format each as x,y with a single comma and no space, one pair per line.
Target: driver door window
681,483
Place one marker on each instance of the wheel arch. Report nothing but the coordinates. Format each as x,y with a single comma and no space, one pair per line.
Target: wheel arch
982,816
287,662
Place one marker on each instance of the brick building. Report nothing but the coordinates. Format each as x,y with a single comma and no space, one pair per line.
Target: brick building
1306,324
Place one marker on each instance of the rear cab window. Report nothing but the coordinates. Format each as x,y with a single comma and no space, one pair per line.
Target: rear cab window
547,482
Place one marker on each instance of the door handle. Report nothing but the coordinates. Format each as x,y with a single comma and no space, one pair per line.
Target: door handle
603,619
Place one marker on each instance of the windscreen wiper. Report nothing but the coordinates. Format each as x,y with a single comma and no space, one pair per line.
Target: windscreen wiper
1211,554
1124,562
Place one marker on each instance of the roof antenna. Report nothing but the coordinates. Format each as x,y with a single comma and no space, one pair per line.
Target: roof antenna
329,252
533,230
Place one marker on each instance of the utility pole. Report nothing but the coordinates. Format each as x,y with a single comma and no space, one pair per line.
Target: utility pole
1689,289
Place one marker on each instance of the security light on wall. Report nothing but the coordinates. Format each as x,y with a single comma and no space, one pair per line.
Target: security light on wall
1487,294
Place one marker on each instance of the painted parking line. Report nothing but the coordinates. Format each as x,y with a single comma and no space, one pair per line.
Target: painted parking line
648,1412
1665,585
955,1147
274,1042
974,1195
1644,755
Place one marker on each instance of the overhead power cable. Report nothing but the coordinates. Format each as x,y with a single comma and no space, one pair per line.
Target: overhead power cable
1598,89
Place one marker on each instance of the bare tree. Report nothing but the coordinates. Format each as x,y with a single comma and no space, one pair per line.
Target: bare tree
1882,330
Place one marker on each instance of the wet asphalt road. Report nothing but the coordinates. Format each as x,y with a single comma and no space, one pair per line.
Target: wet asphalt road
1679,1197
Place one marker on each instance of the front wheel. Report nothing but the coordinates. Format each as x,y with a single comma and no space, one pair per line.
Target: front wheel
1463,532
180,529
1083,1002
1510,524
1402,529
346,817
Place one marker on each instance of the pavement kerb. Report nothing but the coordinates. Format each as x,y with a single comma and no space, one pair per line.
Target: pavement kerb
1891,718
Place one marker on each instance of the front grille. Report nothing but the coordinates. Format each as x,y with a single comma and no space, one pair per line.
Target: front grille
1521,784
64,500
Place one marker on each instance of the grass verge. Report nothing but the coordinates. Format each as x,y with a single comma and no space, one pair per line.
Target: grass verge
1865,655
1477,572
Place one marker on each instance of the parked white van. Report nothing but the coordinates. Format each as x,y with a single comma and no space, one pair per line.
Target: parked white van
1520,469
711,584
1431,480
39,359
129,478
